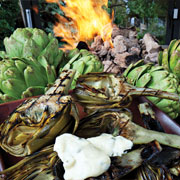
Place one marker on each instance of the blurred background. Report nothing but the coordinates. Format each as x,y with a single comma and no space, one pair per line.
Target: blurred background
158,17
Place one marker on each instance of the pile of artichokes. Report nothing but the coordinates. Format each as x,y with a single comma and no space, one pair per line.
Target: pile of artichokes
156,77
32,62
29,63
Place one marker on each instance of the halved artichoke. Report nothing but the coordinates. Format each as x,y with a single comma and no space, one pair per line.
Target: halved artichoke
37,121
38,166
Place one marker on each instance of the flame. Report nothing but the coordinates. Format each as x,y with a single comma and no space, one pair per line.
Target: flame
82,21
35,9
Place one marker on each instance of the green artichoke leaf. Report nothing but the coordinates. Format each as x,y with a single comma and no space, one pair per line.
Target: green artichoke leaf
93,65
40,38
132,66
171,45
165,60
143,80
74,58
176,70
22,34
33,77
160,56
174,58
136,72
69,64
51,74
50,52
58,59
2,54
6,98
89,68
37,68
30,49
85,52
79,66
33,91
13,47
72,53
13,87
20,65
8,70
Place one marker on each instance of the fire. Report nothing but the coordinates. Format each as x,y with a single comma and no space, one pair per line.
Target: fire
35,9
82,21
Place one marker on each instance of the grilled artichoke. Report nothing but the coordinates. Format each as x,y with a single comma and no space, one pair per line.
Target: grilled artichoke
100,90
156,77
21,78
38,166
83,62
37,121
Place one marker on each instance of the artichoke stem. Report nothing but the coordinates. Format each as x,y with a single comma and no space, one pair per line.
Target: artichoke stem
144,136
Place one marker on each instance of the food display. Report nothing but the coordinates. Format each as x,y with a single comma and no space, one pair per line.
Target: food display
78,121
32,61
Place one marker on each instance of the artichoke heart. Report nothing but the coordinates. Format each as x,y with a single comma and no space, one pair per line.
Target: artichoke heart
37,121
38,166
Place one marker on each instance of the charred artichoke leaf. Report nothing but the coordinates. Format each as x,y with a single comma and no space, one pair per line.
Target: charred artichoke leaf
175,170
94,90
38,166
37,121
148,117
119,122
148,172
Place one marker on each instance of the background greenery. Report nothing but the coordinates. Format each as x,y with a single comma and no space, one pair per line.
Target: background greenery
152,13
9,18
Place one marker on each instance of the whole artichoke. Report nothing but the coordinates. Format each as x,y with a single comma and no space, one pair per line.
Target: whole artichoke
35,43
156,77
83,61
21,77
170,58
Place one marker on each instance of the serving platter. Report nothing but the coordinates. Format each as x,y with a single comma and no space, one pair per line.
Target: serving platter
169,125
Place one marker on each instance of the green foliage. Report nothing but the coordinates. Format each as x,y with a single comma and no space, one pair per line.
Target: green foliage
148,12
47,15
142,8
9,11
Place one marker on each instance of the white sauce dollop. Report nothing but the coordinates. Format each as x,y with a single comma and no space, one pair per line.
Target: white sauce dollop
83,158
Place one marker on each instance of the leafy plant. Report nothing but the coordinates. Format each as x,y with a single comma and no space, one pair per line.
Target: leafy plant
9,11
47,15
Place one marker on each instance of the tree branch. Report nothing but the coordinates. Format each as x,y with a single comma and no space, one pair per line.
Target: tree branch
115,5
